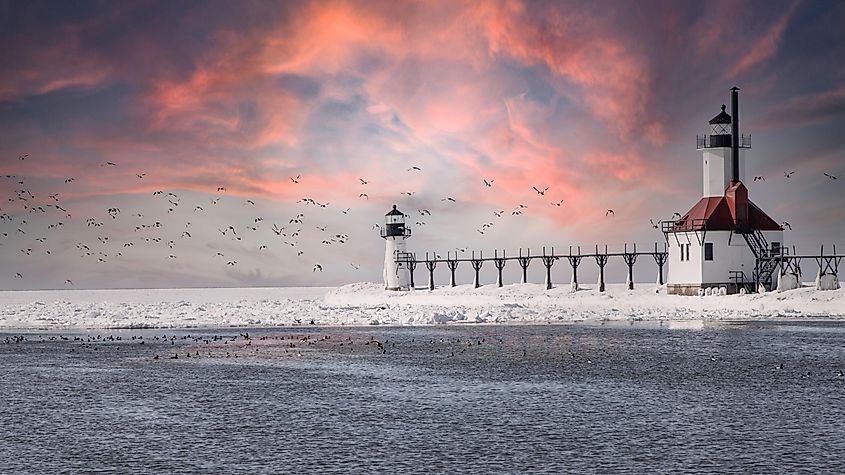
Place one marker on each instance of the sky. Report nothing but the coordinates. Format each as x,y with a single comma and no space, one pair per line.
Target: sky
134,134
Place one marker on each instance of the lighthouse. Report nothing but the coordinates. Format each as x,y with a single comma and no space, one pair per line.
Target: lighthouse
394,232
724,242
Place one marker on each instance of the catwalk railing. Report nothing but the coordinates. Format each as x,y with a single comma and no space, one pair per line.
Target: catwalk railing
768,262
524,258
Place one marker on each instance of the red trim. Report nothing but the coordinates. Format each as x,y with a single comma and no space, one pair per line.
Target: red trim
727,213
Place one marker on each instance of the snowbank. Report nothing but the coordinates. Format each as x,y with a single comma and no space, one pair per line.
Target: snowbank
369,304
532,303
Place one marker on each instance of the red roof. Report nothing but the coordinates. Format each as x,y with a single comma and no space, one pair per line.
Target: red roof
726,213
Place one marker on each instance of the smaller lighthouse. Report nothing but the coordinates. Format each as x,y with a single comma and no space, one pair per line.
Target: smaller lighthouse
396,272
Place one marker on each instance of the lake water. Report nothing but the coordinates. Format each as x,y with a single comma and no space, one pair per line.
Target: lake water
764,397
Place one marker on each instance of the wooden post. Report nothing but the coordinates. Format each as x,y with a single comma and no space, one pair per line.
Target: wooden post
548,262
523,262
499,262
412,265
452,264
601,260
476,264
430,265
630,259
574,261
660,258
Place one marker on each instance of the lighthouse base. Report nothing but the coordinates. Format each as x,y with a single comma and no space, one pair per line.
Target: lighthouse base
704,289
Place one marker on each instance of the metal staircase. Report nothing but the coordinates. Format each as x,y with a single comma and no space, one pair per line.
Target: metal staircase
767,257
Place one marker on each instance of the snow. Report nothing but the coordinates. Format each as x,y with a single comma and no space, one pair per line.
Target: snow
369,304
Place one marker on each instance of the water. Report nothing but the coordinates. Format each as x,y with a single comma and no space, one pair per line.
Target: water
575,398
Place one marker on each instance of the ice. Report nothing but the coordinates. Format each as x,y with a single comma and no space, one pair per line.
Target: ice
369,304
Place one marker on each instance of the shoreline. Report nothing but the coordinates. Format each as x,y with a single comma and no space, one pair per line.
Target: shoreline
367,304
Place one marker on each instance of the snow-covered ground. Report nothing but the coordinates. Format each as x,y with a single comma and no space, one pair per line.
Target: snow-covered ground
366,303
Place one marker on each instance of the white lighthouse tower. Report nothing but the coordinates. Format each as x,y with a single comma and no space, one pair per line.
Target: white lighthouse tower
396,272
724,241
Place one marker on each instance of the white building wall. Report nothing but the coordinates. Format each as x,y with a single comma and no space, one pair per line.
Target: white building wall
718,170
396,275
730,252
681,271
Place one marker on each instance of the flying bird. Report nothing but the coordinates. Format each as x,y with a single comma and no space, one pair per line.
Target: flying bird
558,204
295,179
759,178
488,184
541,192
23,157
363,195
788,174
221,188
609,213
787,225
653,224
317,267
363,181
415,168
449,198
829,176
140,175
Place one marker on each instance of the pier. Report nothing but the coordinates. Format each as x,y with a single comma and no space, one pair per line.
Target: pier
524,257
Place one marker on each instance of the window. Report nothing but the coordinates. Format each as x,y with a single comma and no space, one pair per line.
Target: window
685,252
708,251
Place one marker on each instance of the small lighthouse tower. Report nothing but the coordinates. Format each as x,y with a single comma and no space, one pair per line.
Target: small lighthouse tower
396,272
724,241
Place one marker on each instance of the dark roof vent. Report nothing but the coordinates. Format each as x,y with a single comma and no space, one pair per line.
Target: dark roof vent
722,118
394,212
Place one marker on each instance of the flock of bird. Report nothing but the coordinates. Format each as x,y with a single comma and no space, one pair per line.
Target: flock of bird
169,228
294,344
